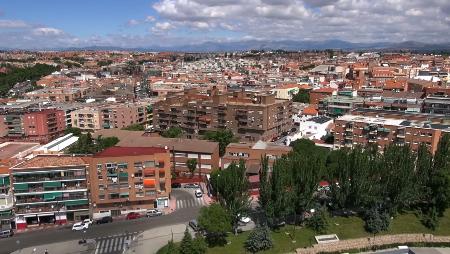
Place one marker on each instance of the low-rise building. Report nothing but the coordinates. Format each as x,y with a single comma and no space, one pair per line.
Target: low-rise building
124,179
251,154
50,189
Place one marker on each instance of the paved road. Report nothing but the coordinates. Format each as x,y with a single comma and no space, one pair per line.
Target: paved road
114,244
35,238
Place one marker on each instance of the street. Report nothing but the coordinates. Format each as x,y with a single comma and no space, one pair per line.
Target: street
118,229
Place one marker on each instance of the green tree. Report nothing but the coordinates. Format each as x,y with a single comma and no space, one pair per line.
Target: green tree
199,245
172,132
75,131
86,145
439,180
223,137
186,243
191,165
134,127
217,222
319,221
302,96
231,186
377,220
170,248
259,240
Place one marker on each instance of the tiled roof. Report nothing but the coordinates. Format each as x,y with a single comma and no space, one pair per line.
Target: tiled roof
118,151
47,161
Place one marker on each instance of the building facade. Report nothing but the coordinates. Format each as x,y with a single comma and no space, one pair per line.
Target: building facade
6,200
124,179
32,125
50,189
250,116
352,130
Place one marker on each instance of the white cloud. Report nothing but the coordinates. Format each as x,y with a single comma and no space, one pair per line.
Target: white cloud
4,23
162,26
47,31
133,22
149,19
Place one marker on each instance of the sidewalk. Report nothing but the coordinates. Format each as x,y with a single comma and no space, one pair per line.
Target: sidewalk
69,247
206,195
152,240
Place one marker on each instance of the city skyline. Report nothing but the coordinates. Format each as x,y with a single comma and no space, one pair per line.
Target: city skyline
144,24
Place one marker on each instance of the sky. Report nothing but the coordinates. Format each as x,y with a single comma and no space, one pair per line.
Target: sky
40,24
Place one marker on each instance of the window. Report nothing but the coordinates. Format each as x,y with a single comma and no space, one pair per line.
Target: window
101,196
206,166
149,164
180,154
193,156
113,195
205,157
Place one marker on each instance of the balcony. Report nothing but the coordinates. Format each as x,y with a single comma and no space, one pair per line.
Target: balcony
19,179
39,209
49,198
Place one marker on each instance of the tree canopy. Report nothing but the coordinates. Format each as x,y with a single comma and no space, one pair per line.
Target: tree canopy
134,127
87,145
172,132
223,137
217,222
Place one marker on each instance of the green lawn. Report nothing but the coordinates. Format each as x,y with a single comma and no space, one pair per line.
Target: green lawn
345,228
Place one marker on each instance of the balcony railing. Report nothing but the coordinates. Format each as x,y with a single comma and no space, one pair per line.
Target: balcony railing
41,179
47,209
41,189
58,199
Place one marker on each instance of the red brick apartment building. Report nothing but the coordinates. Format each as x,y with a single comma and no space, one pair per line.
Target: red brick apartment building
352,130
36,126
251,116
124,179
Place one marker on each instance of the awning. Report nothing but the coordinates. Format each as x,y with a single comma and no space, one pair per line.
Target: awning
124,195
123,174
112,175
76,202
21,186
52,195
149,182
149,171
4,181
52,184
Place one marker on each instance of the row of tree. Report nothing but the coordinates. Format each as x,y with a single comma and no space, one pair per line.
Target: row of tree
373,184
16,75
87,145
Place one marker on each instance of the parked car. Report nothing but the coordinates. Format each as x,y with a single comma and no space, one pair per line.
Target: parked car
6,233
88,221
103,220
133,215
198,193
194,225
176,185
191,185
80,226
153,213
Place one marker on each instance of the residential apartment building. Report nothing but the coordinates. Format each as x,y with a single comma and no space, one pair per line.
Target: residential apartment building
50,189
58,94
338,105
123,179
32,125
251,154
251,116
205,152
352,130
437,100
109,116
6,200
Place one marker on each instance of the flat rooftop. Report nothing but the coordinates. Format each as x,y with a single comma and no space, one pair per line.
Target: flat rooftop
51,161
12,149
394,122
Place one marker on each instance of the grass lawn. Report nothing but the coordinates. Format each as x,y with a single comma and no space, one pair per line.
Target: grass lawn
345,228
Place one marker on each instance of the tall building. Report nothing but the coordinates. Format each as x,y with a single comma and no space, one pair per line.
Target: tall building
32,125
50,189
108,116
130,178
251,116
6,200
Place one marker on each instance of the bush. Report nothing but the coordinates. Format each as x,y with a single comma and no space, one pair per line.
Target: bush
430,219
318,222
377,220
170,248
259,240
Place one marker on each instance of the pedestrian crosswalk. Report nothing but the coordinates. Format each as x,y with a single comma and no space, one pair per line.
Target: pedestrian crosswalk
114,244
195,202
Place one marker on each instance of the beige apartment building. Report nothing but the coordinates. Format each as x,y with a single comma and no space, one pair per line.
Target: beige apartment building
250,116
111,116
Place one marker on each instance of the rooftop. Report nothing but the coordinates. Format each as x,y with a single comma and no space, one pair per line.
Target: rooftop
12,149
118,151
50,161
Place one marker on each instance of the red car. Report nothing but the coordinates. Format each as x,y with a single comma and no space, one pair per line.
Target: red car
133,215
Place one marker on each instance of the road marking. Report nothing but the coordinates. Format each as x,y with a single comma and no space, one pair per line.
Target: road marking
120,243
113,245
109,245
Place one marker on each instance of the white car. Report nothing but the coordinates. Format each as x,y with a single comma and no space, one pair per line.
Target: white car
198,193
80,226
244,219
88,221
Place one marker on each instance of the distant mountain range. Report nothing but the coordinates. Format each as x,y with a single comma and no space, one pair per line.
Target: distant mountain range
282,44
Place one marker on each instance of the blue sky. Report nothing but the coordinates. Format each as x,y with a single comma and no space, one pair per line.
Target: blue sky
33,24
